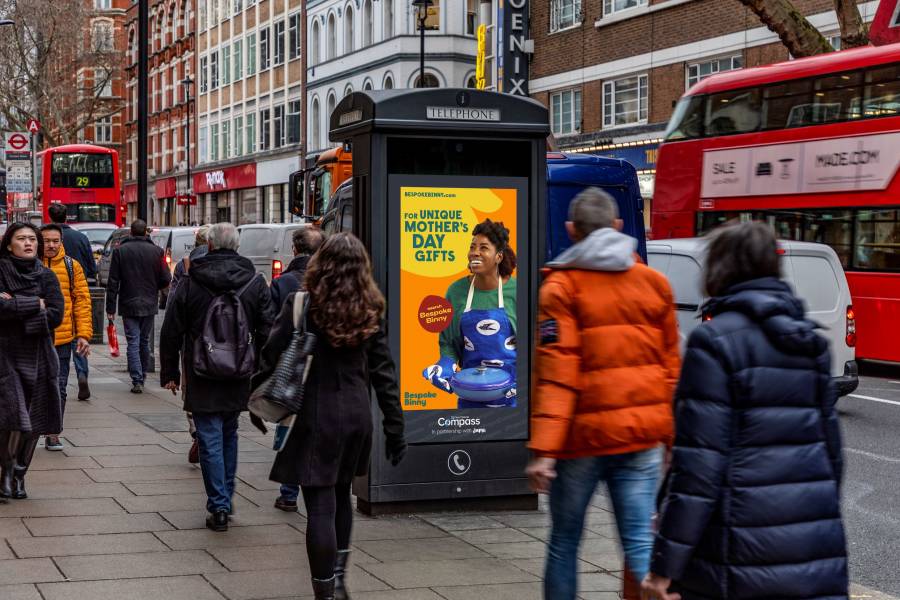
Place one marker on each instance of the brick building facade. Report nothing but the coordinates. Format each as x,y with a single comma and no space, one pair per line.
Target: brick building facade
611,71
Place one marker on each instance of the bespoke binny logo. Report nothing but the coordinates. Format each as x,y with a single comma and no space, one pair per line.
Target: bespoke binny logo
215,178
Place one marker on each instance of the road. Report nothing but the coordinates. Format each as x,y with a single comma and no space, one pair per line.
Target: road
871,492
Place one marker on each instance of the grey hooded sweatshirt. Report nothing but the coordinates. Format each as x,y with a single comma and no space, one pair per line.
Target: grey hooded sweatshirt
604,249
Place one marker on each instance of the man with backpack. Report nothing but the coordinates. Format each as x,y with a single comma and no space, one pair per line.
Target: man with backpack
76,328
216,323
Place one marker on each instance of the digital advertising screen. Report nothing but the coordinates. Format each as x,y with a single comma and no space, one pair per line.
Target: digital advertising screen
462,319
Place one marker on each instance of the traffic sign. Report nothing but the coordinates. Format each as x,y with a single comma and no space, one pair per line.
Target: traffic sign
886,25
34,126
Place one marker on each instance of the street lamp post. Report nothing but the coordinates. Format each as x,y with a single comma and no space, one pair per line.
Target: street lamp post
422,7
187,82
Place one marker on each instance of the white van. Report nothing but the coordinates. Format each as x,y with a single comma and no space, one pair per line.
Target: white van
812,270
270,246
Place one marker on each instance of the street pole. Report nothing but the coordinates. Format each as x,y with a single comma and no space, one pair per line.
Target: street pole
187,82
143,59
422,16
34,205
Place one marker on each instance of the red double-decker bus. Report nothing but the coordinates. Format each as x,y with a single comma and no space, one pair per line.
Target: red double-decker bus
82,177
812,147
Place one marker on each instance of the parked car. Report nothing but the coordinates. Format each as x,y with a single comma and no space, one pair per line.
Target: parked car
97,234
106,254
269,246
812,270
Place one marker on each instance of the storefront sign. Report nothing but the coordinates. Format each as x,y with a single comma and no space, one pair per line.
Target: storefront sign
642,158
866,162
514,41
166,188
459,113
130,193
186,199
228,178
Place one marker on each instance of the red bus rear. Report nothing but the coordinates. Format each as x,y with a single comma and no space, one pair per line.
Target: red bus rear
812,147
85,179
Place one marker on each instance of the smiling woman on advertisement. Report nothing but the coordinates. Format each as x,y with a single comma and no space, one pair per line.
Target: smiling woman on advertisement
481,340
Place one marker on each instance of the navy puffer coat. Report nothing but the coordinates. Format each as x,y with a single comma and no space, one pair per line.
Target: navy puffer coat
752,507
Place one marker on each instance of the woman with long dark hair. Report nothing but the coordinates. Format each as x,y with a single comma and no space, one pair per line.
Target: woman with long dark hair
752,508
31,308
332,438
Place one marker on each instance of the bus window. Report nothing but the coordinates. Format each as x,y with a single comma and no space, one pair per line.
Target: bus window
687,120
81,170
734,111
882,92
837,97
878,240
789,104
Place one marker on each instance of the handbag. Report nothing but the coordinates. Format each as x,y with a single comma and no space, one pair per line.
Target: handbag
112,339
281,394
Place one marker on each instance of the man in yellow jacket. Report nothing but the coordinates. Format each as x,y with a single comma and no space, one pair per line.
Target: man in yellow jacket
76,323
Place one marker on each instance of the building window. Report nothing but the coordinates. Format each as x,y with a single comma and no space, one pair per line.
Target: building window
471,16
367,85
625,101
103,82
348,90
265,56
349,41
237,6
278,122
279,42
368,25
316,43
214,71
614,6
332,102
239,136
226,139
265,134
226,65
387,23
103,130
294,36
430,81
835,41
237,60
251,133
201,15
332,38
102,34
202,143
565,112
214,142
293,128
251,54
388,83
103,4
316,127
564,14
433,21
472,82
699,71
204,74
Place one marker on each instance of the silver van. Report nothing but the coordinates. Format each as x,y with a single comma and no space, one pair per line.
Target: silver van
812,270
269,246
176,242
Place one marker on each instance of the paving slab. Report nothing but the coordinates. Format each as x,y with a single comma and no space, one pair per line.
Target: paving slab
55,508
419,574
142,474
159,588
13,527
247,514
263,535
510,591
259,585
493,536
446,548
389,528
43,462
138,565
536,566
142,460
69,492
515,550
113,436
19,592
124,523
97,451
462,523
421,594
171,502
28,570
82,545
56,477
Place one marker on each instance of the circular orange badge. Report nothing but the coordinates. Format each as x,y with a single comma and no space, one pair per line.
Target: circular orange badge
435,314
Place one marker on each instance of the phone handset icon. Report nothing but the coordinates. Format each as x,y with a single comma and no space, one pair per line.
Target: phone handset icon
459,462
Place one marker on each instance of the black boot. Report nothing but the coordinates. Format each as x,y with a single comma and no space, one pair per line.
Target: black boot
323,588
9,446
23,461
340,575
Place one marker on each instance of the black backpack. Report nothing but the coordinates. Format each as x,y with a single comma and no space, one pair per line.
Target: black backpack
224,349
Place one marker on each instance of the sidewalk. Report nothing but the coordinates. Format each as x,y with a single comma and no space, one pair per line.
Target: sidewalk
119,516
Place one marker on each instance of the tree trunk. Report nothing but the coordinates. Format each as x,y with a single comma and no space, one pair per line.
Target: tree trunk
854,31
794,30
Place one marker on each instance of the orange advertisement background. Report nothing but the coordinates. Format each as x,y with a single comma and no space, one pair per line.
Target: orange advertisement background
418,347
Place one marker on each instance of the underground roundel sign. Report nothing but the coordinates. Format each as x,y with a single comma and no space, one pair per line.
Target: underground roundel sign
16,142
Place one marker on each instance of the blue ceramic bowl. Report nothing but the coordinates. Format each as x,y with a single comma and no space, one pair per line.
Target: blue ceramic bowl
482,384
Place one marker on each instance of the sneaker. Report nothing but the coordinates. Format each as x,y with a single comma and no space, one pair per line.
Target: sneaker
137,388
194,452
53,444
84,392
218,521
286,505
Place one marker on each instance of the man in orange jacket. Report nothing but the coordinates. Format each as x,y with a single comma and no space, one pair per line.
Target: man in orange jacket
606,365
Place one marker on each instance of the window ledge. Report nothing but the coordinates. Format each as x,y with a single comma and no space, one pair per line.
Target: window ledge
625,125
637,11
565,29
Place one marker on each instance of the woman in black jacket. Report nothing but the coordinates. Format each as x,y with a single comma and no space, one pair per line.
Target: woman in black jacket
31,307
332,439
752,508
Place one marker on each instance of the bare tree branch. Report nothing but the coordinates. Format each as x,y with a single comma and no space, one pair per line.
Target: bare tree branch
854,31
792,27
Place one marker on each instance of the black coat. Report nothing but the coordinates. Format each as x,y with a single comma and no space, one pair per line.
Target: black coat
137,273
218,271
78,246
29,366
752,509
290,281
332,439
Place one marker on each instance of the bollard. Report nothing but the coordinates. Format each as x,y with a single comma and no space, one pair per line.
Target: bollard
98,313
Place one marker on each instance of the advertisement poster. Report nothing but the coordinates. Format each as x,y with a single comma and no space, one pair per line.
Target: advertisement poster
459,314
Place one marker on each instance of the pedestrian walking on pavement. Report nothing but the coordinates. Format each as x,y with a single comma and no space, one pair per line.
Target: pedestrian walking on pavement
31,308
331,440
757,456
76,327
220,280
137,273
306,241
606,365
78,247
181,271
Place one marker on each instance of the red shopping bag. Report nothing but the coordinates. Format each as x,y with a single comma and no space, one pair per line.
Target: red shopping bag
112,340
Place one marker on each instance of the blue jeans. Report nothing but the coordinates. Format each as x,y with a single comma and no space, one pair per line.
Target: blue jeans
137,334
217,433
64,352
632,480
290,492
81,362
